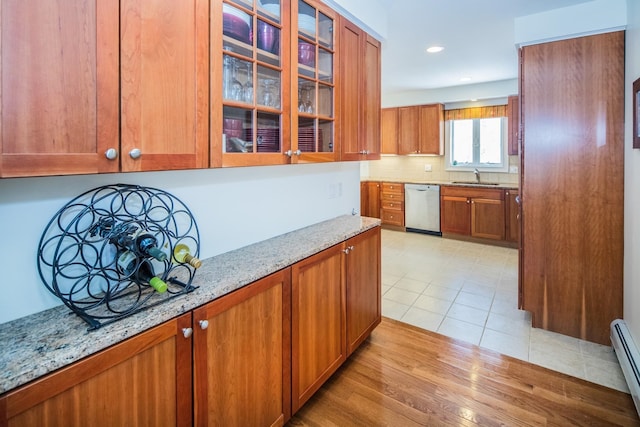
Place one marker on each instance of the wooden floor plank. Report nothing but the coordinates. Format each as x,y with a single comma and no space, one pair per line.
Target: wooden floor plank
405,376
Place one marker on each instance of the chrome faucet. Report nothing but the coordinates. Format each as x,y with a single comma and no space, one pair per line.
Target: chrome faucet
477,173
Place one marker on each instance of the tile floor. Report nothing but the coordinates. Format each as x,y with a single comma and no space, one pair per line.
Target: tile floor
469,291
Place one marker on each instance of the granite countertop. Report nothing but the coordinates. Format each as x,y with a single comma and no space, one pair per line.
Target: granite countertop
38,344
450,183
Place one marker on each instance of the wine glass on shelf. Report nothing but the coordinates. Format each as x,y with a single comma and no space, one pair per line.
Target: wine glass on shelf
269,96
248,86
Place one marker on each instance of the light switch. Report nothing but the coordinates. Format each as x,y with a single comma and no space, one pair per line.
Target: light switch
427,168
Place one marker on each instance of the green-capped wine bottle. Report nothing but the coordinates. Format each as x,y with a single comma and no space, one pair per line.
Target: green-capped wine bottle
140,270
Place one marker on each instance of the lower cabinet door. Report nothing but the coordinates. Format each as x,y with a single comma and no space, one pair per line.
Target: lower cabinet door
456,215
143,381
242,356
363,287
318,322
487,219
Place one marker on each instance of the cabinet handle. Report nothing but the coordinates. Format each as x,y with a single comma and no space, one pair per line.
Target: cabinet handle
135,153
468,201
111,154
204,324
187,332
346,250
507,193
350,248
292,153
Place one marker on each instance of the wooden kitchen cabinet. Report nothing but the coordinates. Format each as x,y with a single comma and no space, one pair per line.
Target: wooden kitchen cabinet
318,344
421,129
145,380
363,275
474,212
392,204
59,89
572,254
241,355
370,199
513,126
359,93
389,131
512,215
336,303
83,93
164,85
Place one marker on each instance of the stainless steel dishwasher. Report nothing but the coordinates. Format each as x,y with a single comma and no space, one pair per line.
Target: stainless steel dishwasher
422,208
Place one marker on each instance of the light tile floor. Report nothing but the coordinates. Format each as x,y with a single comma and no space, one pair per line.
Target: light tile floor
469,291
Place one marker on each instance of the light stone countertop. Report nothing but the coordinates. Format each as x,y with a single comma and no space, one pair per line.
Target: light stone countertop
35,345
447,183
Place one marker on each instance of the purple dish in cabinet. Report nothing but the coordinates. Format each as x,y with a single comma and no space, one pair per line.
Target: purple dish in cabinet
306,53
235,27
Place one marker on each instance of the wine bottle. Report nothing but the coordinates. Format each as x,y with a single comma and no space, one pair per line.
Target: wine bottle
140,270
182,254
148,245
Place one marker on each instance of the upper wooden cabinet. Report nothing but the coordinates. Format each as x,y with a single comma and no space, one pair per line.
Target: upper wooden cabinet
59,91
513,113
359,93
164,85
389,131
92,87
421,129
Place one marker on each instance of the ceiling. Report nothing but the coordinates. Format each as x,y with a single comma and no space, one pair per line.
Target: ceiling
478,37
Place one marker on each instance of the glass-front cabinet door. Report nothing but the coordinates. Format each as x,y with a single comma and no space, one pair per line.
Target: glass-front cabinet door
250,98
313,84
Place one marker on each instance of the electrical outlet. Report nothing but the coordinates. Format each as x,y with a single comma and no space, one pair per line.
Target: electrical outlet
427,168
513,169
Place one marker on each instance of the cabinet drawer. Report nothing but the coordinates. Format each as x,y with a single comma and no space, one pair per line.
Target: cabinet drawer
393,187
472,192
392,217
394,205
392,197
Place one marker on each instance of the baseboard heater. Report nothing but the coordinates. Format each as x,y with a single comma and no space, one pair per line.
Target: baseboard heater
628,356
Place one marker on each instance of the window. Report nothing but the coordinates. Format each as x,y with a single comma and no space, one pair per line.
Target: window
477,143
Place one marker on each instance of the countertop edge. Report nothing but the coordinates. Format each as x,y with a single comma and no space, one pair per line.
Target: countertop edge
38,344
507,185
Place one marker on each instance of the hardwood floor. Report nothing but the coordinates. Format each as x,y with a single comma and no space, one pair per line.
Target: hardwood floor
406,376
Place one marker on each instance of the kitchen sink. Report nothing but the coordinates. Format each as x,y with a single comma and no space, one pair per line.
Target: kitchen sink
475,183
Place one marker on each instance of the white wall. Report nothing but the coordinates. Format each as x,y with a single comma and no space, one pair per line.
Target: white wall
232,207
632,180
367,14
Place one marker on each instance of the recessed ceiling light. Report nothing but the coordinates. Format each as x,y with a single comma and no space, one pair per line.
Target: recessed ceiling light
465,79
435,49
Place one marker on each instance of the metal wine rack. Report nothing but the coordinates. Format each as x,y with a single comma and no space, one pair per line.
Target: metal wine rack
77,256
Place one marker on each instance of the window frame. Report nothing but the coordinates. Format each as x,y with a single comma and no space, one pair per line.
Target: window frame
482,167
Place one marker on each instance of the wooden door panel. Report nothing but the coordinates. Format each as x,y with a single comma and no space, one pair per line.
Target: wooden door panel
59,89
164,78
389,130
370,99
318,314
242,359
572,220
350,90
363,287
487,219
431,129
455,214
145,380
408,129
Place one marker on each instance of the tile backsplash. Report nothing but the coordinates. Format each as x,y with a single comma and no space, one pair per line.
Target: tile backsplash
412,169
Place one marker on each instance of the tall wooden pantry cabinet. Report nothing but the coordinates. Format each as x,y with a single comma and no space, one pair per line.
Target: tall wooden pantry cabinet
572,101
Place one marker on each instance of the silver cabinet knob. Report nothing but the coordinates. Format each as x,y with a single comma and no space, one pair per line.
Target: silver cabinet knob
297,152
204,324
111,154
135,153
187,332
288,153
